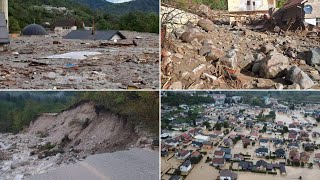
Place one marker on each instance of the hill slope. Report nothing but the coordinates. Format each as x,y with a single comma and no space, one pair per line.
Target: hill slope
123,8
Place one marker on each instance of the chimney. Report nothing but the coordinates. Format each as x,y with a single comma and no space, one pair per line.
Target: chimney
93,27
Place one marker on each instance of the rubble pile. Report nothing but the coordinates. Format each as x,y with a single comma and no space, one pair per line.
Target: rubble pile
55,63
207,53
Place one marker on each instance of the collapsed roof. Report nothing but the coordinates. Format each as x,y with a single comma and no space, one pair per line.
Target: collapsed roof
98,35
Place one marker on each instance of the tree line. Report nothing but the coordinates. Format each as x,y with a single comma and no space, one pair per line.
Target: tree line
19,109
32,11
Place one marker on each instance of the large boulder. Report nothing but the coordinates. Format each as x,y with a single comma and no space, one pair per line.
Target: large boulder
206,24
247,62
275,65
313,56
211,52
190,36
266,48
296,75
205,10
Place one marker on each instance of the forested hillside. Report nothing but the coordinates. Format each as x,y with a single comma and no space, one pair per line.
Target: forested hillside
123,8
32,11
18,109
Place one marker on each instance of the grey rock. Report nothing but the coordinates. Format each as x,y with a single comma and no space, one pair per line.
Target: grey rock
296,75
247,62
313,57
206,24
274,65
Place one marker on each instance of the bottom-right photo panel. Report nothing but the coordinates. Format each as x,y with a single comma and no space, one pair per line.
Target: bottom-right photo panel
240,135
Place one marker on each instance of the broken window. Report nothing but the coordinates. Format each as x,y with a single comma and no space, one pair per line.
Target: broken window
253,3
248,3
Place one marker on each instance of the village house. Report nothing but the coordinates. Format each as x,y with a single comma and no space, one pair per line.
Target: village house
186,166
304,157
280,153
294,156
64,25
228,175
261,165
294,127
292,136
182,154
218,162
262,151
278,143
316,158
218,133
196,144
293,145
245,165
238,157
164,151
185,137
207,145
171,142
254,136
227,153
245,141
241,9
219,154
202,138
196,154
263,142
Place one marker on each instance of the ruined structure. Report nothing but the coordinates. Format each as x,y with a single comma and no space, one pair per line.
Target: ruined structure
240,9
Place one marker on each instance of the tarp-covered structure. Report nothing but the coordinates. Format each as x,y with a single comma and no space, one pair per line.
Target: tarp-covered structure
34,30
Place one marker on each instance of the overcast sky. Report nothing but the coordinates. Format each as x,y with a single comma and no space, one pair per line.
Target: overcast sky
118,1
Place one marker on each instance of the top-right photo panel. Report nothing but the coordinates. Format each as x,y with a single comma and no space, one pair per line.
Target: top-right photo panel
240,44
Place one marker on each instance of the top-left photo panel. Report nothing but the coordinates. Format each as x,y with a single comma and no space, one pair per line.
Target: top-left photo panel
79,44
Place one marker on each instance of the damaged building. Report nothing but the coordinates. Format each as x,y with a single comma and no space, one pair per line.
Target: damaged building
110,35
239,10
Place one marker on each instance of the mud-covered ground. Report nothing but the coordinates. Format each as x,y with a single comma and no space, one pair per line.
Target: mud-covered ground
24,64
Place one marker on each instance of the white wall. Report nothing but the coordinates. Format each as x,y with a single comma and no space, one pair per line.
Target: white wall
4,8
310,21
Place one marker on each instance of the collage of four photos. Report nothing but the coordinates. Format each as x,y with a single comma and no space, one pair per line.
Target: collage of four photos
159,89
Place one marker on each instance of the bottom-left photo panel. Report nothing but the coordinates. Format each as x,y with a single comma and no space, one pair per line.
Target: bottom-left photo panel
61,135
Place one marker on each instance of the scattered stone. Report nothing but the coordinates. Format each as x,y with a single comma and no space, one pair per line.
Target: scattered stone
51,75
199,70
176,85
279,86
296,75
206,24
313,57
294,86
274,65
267,48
